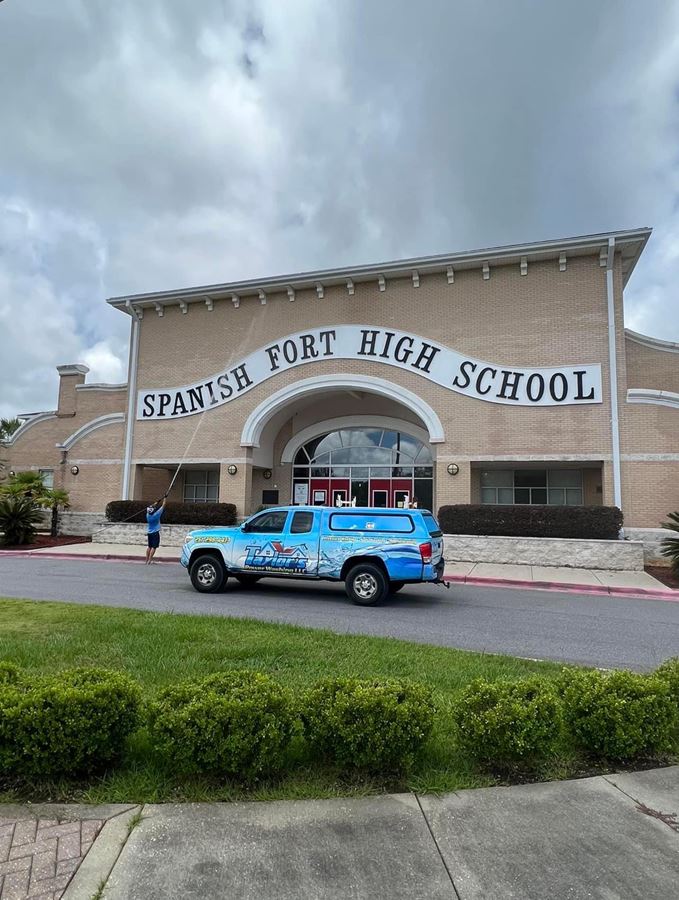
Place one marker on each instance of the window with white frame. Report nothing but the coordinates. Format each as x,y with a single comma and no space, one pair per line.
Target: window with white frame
47,476
555,487
201,486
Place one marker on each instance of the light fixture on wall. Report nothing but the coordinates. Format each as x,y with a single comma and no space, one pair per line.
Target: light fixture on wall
453,468
232,469
12,473
266,473
74,470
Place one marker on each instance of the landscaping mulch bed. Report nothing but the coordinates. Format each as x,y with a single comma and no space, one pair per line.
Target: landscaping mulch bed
666,575
45,540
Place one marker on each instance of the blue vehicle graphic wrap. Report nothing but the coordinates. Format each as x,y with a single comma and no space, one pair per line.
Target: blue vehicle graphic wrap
275,557
323,543
402,557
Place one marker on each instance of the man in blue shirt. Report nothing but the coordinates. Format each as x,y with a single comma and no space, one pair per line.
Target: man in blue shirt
153,516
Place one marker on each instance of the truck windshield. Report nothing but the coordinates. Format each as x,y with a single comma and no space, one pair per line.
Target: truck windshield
432,525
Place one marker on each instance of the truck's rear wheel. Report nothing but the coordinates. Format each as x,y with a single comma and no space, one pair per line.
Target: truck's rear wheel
366,584
207,574
247,580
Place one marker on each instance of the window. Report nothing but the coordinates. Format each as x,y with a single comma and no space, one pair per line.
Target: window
268,523
361,455
432,526
201,486
556,487
47,476
370,522
302,522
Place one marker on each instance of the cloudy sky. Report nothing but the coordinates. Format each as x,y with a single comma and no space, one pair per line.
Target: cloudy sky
150,144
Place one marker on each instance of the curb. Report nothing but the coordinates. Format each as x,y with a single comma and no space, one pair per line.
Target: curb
567,587
39,554
94,870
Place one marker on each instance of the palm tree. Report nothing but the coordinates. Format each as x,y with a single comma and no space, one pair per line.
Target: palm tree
7,429
30,486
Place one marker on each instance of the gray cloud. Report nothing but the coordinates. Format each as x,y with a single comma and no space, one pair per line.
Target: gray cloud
164,144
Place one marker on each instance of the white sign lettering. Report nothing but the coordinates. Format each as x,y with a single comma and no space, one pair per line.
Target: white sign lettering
493,382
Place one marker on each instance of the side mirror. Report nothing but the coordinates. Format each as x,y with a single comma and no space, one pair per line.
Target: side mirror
244,527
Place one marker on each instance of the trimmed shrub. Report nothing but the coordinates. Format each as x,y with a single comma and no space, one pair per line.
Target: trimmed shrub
175,513
19,519
669,672
236,723
64,724
590,522
670,545
618,715
376,725
502,723
9,673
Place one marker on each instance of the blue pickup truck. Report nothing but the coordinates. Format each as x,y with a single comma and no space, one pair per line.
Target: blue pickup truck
373,551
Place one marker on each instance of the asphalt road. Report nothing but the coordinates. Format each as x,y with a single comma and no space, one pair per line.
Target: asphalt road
596,630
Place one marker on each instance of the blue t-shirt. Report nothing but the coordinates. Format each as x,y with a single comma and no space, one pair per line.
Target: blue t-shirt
154,520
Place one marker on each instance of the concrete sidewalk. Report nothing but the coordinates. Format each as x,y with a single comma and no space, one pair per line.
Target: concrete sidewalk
611,837
560,578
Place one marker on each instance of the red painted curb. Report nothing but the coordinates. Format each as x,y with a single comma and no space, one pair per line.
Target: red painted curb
107,557
568,588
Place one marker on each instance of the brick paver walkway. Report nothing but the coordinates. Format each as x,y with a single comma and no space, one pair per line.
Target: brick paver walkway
38,857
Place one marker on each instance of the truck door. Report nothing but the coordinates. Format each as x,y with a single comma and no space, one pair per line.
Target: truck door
302,538
265,545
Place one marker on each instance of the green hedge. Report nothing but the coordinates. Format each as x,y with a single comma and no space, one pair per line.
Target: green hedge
235,723
503,723
619,715
376,725
594,522
175,513
54,725
669,672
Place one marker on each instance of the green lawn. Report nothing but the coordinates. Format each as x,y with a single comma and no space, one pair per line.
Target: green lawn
159,648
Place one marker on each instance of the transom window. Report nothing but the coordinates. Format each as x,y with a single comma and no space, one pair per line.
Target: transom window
555,487
364,467
378,454
201,486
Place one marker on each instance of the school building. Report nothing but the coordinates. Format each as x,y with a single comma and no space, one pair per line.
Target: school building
502,375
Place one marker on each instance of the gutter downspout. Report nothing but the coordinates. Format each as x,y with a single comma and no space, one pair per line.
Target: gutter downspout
613,371
131,397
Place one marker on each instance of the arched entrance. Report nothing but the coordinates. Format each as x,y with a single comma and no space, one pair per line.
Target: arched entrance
366,466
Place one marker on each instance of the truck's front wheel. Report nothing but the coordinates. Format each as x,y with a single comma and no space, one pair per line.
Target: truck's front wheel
207,574
366,584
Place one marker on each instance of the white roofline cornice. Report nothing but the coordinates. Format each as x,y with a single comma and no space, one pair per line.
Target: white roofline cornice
654,397
396,269
101,387
29,423
651,342
89,427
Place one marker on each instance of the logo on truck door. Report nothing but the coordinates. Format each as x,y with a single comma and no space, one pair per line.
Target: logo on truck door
274,557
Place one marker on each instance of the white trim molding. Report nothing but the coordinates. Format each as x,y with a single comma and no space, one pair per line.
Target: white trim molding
129,425
89,427
377,422
609,262
34,420
652,343
101,387
267,409
657,398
